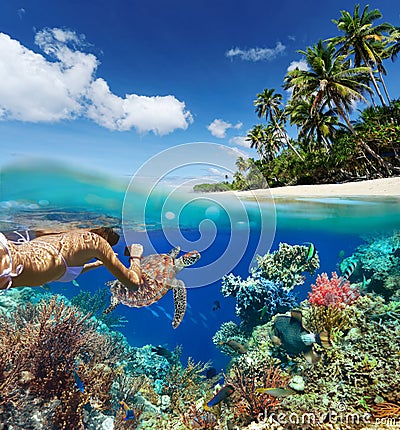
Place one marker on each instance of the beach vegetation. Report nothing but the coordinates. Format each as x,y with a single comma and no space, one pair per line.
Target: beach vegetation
347,123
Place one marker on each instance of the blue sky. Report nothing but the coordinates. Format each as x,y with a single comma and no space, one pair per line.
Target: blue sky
106,85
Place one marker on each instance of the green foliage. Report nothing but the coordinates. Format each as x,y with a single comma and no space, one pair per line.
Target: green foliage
212,188
340,71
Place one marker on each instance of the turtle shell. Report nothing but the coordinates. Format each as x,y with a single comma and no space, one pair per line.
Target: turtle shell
158,272
160,268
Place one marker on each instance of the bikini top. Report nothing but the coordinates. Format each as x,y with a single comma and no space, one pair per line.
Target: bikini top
8,273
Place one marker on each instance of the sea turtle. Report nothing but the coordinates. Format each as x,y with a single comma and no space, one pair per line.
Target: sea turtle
158,277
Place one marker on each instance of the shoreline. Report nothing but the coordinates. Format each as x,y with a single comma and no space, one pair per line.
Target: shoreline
386,187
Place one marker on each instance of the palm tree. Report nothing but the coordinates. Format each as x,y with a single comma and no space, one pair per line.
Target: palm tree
359,37
394,42
269,105
315,126
265,141
242,164
331,82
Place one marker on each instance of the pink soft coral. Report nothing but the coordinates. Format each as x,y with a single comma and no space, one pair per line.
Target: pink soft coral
329,292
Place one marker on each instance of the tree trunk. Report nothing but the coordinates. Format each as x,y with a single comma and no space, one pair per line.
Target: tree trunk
384,87
283,133
364,145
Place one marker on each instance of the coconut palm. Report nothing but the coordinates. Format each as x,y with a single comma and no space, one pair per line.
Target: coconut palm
330,82
315,126
394,42
242,164
359,37
265,141
269,105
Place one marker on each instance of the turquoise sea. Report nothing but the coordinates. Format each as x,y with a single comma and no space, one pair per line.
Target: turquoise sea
228,231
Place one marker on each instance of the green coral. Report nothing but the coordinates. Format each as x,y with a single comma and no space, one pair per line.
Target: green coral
287,265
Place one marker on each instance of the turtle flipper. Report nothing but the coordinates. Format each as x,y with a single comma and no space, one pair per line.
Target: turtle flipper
114,303
179,290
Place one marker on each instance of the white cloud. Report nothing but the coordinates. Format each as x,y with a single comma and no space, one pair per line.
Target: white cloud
239,140
36,89
216,172
219,127
301,65
257,54
21,12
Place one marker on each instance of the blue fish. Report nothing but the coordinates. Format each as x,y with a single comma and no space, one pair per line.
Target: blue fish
78,382
221,395
129,414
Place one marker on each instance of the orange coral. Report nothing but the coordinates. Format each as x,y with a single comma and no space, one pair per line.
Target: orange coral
386,409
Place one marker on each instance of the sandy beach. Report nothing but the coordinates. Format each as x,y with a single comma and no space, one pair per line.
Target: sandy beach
387,187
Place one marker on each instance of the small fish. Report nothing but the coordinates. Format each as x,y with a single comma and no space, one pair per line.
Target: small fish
216,305
163,352
211,372
129,414
276,392
236,346
75,283
221,395
351,267
153,312
341,254
263,311
310,251
45,287
78,382
289,333
202,316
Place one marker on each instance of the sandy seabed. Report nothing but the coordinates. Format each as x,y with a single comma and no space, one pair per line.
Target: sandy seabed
387,187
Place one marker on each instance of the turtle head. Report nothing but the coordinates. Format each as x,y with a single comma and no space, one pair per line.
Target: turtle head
190,258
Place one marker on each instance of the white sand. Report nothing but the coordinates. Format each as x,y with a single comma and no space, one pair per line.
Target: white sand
388,187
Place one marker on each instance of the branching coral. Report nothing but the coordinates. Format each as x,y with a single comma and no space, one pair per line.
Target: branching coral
95,303
228,331
332,292
41,347
386,409
249,405
257,299
183,384
197,418
287,265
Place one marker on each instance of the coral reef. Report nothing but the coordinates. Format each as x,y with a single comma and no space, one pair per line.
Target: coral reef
332,292
43,349
96,303
257,298
379,263
229,331
249,404
287,265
